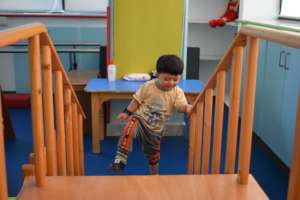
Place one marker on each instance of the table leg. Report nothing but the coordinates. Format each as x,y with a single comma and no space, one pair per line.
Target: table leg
101,119
95,123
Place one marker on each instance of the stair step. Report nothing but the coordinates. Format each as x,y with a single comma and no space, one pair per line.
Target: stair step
142,187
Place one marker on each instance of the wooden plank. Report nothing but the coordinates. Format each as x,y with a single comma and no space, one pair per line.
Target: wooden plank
248,110
37,109
198,138
234,107
218,122
48,112
207,131
69,131
14,35
192,187
191,147
75,139
60,127
3,178
294,181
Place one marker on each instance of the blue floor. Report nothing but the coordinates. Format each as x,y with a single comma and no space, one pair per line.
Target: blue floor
173,158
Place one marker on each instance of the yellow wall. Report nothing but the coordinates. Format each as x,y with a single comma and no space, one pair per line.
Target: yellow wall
144,30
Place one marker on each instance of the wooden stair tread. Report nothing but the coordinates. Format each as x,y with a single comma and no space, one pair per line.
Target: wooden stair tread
143,187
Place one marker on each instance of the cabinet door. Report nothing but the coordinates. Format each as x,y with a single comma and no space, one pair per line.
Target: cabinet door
259,96
289,105
272,98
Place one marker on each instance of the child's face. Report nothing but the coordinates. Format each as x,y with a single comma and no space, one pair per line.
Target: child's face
168,81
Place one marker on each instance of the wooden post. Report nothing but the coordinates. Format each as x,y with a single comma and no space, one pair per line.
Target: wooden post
294,181
248,110
37,109
191,148
3,178
49,114
234,110
218,122
69,131
75,138
59,110
207,130
81,146
95,123
198,138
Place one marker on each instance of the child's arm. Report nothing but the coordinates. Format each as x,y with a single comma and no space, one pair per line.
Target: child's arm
187,108
132,107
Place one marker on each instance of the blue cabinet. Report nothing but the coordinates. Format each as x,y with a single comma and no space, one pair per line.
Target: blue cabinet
279,99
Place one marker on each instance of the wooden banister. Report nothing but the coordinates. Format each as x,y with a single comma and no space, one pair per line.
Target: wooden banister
199,136
60,127
224,64
14,35
81,146
3,178
218,122
207,130
191,147
69,131
234,110
75,139
248,110
49,113
57,65
294,181
37,109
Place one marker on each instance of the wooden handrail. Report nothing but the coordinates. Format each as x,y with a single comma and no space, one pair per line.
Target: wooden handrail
224,64
14,35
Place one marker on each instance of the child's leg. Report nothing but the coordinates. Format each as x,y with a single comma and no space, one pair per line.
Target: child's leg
151,147
125,141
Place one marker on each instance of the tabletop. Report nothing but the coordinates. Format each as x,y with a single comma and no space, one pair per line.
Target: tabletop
103,85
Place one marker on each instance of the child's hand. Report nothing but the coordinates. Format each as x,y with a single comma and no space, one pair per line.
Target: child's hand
122,116
188,108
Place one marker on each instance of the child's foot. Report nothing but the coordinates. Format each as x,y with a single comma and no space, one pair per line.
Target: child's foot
117,166
153,169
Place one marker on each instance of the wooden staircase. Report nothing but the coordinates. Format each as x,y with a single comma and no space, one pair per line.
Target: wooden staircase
56,171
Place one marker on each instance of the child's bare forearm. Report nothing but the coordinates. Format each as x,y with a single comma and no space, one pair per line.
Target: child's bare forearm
133,105
185,109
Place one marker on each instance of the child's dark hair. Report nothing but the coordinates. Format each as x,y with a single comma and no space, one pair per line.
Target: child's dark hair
170,64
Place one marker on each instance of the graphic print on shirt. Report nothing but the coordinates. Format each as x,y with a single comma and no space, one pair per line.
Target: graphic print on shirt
154,112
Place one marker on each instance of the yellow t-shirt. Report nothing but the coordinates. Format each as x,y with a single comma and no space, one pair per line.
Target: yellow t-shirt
156,105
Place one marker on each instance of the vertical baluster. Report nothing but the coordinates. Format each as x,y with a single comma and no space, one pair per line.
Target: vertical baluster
59,110
248,110
191,148
294,182
207,130
75,138
69,131
199,135
48,112
81,147
233,118
218,122
37,109
3,178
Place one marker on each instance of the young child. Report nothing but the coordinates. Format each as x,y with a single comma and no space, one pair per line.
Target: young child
149,109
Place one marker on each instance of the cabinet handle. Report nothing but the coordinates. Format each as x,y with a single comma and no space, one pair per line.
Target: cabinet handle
286,61
280,58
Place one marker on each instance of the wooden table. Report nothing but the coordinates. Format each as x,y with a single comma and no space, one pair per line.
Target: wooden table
102,90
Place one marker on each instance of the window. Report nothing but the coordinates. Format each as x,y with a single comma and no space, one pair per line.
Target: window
69,6
290,9
31,6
